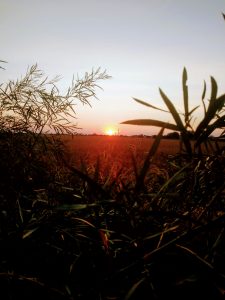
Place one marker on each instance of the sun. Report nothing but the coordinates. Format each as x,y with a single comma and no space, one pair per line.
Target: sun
110,131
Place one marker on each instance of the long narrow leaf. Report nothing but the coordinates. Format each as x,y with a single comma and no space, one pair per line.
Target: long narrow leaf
149,105
196,256
215,106
173,111
151,122
174,179
178,121
220,103
194,109
27,233
147,162
203,96
185,95
214,88
210,128
133,288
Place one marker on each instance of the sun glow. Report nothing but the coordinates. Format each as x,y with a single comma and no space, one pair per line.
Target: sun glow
110,131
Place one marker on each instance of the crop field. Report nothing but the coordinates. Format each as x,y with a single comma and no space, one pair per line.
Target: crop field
116,158
117,151
118,147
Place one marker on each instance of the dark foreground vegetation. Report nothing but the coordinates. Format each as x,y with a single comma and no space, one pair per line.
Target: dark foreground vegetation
75,233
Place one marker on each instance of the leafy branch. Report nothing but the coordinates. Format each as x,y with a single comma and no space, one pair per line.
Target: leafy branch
34,103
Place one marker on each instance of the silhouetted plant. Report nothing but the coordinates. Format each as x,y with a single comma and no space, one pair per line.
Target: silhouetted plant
34,103
33,116
213,119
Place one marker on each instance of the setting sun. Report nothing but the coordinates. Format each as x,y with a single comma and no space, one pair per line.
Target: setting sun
110,131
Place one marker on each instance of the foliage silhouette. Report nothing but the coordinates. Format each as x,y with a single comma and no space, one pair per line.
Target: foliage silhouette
213,119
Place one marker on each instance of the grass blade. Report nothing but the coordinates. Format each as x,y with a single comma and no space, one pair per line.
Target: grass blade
147,162
20,211
196,256
173,111
214,88
215,106
203,97
73,206
185,95
210,128
151,122
27,233
194,109
176,177
133,289
149,105
178,121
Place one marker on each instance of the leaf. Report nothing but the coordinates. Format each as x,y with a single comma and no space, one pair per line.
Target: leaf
173,111
147,162
151,122
185,95
214,88
203,97
196,256
215,106
178,121
20,211
171,181
220,102
133,288
191,112
152,236
75,206
84,221
210,128
28,232
149,105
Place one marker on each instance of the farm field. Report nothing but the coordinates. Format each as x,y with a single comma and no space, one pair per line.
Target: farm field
116,155
117,149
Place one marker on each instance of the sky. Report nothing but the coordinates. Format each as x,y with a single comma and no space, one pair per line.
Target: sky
143,44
